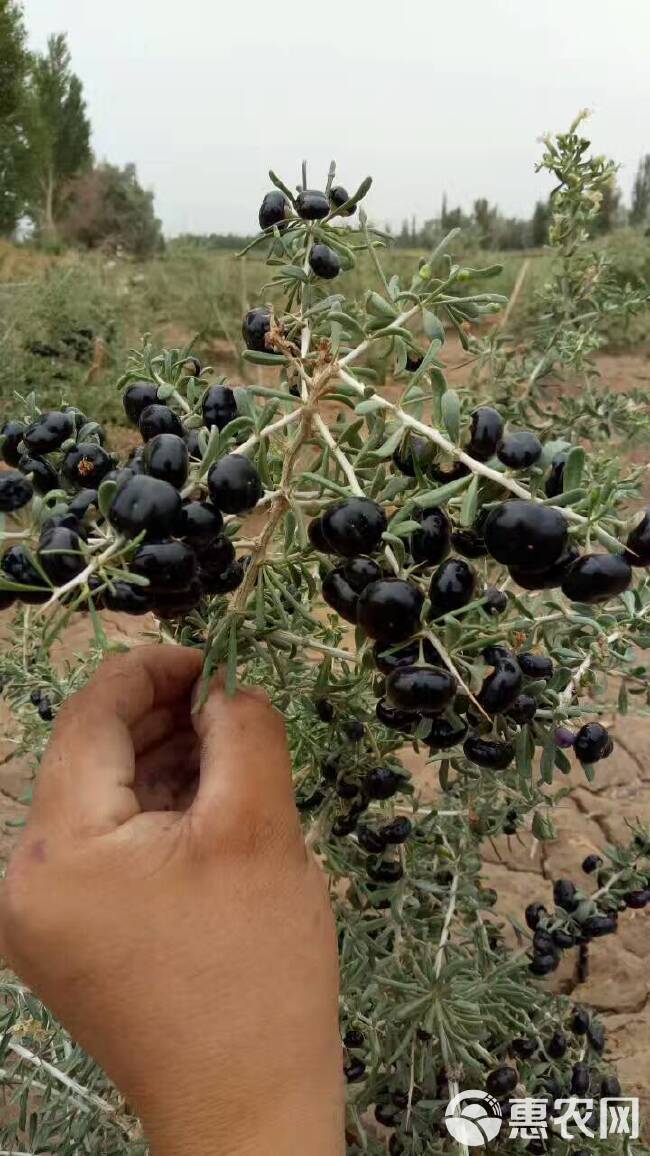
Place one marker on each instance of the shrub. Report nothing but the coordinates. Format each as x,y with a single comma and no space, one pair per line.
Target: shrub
420,574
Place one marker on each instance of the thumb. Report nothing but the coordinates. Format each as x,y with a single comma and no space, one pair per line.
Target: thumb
245,775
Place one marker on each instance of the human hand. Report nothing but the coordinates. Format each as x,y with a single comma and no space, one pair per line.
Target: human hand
162,903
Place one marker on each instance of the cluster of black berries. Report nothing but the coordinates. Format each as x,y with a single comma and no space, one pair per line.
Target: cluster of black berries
184,553
277,212
417,684
577,919
527,537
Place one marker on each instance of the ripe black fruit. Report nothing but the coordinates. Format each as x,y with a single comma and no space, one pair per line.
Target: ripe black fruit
353,526
324,262
385,871
166,457
469,542
501,1081
389,658
255,327
638,542
452,586
316,536
489,753
48,432
354,1038
593,743
274,209
518,451
390,609
524,1048
157,419
86,465
564,894
580,1079
496,601
12,435
59,554
200,523
338,197
395,720
412,451
219,406
580,1021
339,594
137,397
501,688
18,568
554,483
449,471
545,579
324,709
126,598
168,565
387,1114
225,582
523,709
382,783
354,729
596,577
312,205
234,484
15,491
353,1068
193,444
485,433
44,476
637,900
430,542
534,914
535,665
359,572
370,841
420,689
444,735
214,554
544,964
145,503
397,831
557,1045
525,535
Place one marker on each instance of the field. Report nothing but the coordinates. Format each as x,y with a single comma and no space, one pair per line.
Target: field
191,295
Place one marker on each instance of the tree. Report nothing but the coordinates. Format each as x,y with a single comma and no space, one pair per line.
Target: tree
14,155
59,131
485,217
107,207
539,224
640,208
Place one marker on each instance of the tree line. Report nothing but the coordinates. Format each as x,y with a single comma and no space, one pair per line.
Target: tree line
490,229
49,178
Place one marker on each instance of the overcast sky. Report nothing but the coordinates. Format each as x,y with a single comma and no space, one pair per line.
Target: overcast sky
205,95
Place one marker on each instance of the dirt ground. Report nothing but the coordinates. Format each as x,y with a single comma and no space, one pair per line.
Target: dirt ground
617,986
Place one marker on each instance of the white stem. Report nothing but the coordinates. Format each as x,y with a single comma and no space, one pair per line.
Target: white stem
446,927
83,576
345,465
67,1081
565,697
359,349
268,431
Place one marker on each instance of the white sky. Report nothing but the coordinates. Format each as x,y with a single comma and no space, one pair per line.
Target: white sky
205,95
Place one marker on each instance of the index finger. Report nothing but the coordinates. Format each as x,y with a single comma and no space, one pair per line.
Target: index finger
88,770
